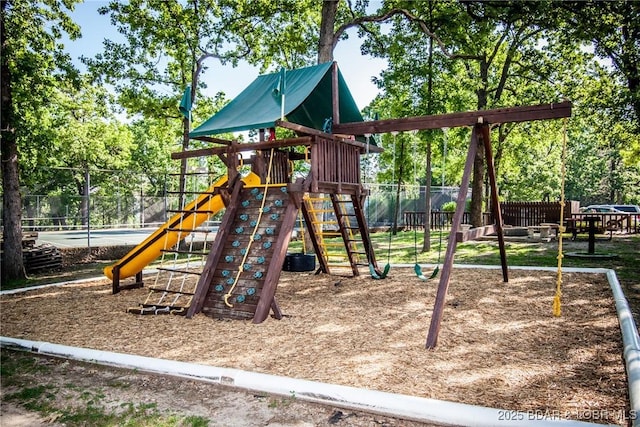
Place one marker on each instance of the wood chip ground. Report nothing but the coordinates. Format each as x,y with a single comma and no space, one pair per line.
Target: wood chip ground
499,345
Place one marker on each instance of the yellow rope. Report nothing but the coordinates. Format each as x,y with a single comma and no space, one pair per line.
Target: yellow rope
255,230
556,299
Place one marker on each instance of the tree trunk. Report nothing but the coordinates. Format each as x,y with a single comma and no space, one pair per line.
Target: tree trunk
426,244
12,263
327,25
396,209
477,185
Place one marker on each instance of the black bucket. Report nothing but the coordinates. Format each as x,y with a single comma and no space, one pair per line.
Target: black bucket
299,262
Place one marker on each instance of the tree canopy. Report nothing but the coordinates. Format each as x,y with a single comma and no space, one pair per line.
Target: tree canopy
120,116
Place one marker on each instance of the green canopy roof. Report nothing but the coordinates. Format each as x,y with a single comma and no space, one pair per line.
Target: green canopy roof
307,102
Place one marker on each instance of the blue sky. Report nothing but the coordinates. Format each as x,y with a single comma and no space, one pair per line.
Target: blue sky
356,68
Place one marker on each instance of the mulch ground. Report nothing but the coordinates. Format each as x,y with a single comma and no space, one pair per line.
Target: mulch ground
499,345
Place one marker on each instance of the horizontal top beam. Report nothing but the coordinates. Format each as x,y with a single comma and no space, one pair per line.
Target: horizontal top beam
470,118
237,147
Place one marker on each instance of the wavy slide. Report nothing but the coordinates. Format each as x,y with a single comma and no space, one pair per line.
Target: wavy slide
166,236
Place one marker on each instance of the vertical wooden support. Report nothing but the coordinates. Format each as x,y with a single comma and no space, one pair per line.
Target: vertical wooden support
115,284
335,98
358,203
445,275
314,237
495,203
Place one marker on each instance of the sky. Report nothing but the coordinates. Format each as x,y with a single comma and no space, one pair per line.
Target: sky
356,68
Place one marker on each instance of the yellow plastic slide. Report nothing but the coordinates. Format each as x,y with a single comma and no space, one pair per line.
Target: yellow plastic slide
165,237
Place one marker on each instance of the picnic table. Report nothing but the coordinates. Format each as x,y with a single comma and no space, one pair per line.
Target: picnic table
574,225
592,232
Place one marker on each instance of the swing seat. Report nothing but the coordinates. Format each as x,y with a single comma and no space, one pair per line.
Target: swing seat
421,276
376,275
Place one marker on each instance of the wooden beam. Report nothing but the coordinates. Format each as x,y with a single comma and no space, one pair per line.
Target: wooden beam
213,140
447,266
470,118
335,94
495,202
241,146
315,132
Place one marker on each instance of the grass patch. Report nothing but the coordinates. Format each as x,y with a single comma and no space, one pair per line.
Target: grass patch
75,405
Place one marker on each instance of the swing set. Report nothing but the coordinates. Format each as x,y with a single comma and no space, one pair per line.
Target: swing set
481,122
417,268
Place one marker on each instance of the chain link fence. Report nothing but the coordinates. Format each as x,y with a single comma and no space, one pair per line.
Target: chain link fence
49,213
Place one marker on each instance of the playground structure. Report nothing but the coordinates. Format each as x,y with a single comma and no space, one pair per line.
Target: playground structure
242,270
240,276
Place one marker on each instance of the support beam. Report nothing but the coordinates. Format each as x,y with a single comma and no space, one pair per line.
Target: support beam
495,202
237,147
335,94
340,138
447,266
471,118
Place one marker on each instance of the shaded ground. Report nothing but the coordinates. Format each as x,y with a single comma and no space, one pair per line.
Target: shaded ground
499,345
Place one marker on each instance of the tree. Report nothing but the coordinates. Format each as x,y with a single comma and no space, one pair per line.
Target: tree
32,62
614,30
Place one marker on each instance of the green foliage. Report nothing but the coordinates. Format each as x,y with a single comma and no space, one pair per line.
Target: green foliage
449,206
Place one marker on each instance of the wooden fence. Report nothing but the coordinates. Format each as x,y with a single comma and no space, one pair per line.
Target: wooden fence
527,214
517,214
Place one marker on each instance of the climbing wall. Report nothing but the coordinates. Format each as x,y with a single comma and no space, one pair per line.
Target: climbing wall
239,277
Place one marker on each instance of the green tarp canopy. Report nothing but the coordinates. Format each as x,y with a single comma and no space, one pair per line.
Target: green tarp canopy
307,102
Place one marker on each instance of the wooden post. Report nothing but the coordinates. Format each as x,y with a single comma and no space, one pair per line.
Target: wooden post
335,93
445,275
495,203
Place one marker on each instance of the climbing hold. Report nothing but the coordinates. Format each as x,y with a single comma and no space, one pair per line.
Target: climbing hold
225,273
278,203
247,266
255,191
253,223
228,258
269,231
245,203
240,298
275,216
257,275
251,291
236,244
244,217
266,245
266,209
239,230
243,251
257,237
230,281
260,260
219,288
283,189
259,197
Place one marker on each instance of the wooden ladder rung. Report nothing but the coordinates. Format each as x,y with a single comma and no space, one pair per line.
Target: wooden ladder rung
189,230
170,291
184,252
177,270
196,211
